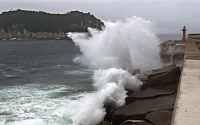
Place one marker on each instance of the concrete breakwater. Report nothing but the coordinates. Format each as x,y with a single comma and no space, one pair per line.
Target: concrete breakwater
172,51
188,102
166,101
154,104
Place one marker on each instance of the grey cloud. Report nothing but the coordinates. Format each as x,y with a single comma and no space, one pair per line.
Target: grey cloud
170,16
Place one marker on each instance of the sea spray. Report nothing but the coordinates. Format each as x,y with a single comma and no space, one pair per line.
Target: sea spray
113,53
110,91
114,82
129,45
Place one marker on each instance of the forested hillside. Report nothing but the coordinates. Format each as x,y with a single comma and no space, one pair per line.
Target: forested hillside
45,22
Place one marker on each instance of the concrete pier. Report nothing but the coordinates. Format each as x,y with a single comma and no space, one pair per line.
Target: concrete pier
187,106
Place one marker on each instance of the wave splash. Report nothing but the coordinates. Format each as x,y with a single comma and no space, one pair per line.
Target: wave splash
113,53
110,91
128,45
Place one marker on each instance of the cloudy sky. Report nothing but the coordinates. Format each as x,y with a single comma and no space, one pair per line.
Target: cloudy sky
169,16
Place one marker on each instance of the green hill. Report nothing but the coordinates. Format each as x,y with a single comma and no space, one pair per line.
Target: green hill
32,21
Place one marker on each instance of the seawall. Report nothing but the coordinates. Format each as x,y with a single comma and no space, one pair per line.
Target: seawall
187,106
163,102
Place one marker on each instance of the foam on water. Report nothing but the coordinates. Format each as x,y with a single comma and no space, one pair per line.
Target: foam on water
2,65
34,104
110,91
60,66
78,72
113,54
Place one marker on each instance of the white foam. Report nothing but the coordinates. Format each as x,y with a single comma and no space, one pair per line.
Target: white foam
129,44
78,72
110,85
28,122
10,75
74,72
120,47
32,104
17,69
60,66
2,65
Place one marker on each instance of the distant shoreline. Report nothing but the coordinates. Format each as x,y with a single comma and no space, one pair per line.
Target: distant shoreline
18,40
23,24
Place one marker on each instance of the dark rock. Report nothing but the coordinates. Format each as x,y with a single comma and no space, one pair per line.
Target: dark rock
135,72
172,86
177,57
106,123
156,72
144,79
165,57
119,118
136,123
138,109
130,100
128,92
147,93
145,82
160,117
108,116
165,78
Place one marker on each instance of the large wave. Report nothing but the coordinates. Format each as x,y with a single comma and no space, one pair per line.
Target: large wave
113,53
129,44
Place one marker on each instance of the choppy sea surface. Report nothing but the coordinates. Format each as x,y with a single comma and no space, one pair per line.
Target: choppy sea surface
39,81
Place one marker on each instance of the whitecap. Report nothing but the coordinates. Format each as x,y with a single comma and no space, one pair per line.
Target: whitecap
77,72
2,65
60,66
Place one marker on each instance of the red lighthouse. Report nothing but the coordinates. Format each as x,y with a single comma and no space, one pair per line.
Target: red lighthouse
184,30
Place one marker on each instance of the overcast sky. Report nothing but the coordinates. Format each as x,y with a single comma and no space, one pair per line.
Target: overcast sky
169,15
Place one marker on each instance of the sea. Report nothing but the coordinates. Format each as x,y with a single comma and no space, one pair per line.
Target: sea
65,82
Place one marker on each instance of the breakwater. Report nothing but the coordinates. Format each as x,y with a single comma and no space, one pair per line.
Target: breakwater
166,101
154,104
187,103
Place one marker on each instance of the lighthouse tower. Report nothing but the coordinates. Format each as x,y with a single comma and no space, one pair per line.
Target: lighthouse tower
184,31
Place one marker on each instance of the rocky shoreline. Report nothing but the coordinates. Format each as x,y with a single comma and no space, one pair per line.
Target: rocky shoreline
154,103
26,35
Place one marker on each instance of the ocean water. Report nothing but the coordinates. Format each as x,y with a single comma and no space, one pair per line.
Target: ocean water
38,79
63,82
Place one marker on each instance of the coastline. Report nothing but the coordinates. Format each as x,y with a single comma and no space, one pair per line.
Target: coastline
154,103
26,35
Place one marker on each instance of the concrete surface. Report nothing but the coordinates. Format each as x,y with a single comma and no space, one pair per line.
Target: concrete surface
187,106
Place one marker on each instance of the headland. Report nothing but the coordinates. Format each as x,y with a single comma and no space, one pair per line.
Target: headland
24,24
